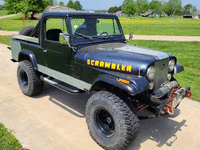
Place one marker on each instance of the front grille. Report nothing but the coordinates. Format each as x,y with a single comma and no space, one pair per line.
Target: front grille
161,73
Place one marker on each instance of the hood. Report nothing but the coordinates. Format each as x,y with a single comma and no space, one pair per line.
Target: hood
119,57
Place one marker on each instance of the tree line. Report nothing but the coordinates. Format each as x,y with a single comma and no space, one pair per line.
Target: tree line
170,8
35,6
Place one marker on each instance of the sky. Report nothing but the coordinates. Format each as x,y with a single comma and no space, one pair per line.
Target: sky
106,4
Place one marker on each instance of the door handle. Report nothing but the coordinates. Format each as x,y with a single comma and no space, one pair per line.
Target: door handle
45,50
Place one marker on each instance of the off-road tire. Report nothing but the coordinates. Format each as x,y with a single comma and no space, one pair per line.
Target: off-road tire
126,124
27,30
28,79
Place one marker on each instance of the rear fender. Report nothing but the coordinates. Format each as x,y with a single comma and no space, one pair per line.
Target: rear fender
136,86
31,57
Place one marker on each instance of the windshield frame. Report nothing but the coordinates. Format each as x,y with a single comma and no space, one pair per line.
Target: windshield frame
80,41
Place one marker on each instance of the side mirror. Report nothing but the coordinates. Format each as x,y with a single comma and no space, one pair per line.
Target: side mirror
130,36
64,39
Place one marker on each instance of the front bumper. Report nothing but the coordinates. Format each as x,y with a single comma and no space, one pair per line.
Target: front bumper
174,99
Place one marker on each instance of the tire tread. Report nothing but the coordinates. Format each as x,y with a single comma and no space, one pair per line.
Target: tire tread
37,84
129,120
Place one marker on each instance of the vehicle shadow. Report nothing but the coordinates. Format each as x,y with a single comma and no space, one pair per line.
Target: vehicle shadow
75,104
161,130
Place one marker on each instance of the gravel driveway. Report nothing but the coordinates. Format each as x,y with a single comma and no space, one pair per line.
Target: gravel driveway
6,16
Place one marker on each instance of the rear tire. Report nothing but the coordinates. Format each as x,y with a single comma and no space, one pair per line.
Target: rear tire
27,31
29,81
110,121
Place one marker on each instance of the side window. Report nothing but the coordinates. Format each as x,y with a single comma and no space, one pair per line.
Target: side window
55,26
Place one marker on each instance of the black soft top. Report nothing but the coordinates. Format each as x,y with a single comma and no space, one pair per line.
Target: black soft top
65,14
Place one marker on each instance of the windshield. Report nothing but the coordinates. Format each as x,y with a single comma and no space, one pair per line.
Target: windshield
84,27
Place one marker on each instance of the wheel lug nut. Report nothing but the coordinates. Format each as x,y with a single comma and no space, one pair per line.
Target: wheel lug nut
108,120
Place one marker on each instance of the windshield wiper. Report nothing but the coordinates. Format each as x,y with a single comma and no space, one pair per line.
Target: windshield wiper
82,35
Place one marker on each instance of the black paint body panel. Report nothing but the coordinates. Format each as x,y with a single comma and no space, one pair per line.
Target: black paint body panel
63,59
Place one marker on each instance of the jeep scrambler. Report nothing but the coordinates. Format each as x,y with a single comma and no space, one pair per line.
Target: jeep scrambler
84,52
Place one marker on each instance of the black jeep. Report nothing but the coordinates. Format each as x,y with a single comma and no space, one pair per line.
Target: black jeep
84,52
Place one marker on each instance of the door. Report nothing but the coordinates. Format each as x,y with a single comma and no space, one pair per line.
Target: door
58,56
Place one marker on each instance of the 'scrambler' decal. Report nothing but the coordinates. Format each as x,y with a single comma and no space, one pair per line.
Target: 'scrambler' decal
108,65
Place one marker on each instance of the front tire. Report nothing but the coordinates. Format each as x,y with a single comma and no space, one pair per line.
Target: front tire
29,81
110,121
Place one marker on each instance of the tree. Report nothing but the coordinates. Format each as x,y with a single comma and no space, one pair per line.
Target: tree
2,7
173,7
12,6
142,6
61,3
70,4
114,9
33,6
189,9
124,3
152,6
50,2
77,5
130,8
25,6
156,6
100,11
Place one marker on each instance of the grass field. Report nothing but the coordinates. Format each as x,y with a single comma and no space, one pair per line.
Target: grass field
15,23
176,26
3,13
187,53
5,39
139,25
8,141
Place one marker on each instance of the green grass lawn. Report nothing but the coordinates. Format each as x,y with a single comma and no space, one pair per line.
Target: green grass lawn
5,39
3,13
8,141
188,54
15,23
176,26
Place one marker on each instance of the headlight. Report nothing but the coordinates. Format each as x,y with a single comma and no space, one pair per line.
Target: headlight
151,73
171,65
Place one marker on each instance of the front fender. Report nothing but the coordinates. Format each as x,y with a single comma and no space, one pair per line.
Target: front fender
178,68
137,84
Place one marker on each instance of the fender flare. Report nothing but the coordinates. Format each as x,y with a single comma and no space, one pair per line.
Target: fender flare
136,86
178,68
31,57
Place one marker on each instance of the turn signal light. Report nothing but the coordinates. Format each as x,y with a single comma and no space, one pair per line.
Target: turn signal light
124,81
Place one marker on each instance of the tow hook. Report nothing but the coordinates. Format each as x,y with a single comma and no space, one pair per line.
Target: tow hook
175,97
188,92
